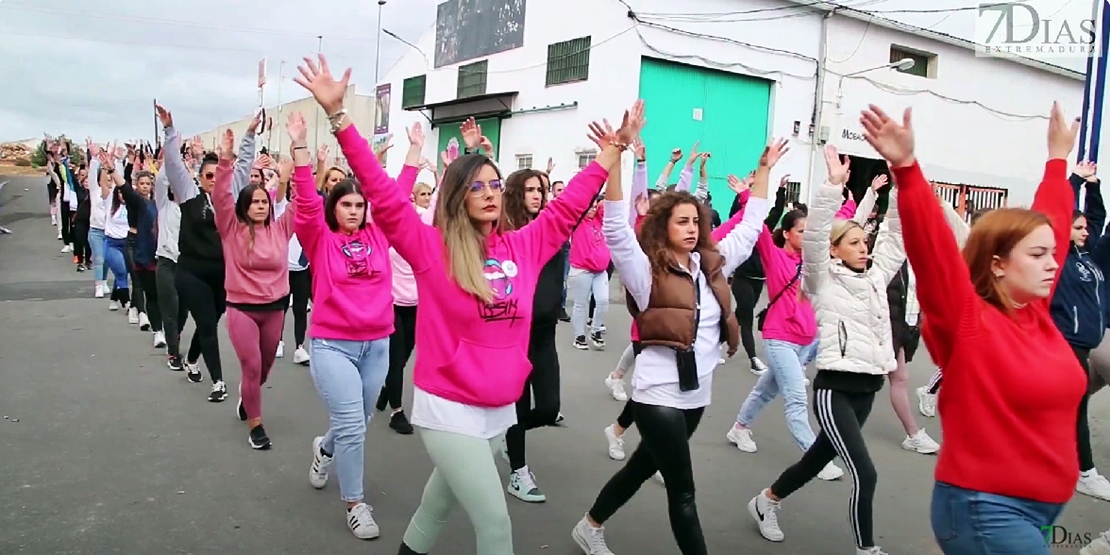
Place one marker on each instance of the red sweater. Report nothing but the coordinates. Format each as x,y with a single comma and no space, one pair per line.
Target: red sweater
1012,385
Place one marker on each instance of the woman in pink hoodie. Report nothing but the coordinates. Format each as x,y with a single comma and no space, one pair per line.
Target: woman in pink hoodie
588,277
476,285
352,318
256,278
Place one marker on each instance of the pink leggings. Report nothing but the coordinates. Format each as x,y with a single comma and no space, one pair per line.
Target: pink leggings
255,336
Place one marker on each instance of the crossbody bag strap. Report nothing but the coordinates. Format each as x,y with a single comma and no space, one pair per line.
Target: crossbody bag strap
789,284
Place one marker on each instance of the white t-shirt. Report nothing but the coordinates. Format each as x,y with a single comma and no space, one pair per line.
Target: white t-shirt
436,413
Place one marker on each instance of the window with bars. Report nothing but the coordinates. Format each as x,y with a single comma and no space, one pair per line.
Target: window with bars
413,91
523,161
568,61
584,159
924,64
472,79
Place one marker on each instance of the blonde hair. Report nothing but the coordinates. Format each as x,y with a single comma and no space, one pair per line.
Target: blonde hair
419,187
840,228
464,245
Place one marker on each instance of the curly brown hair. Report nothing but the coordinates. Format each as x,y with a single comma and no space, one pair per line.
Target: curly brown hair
513,213
654,232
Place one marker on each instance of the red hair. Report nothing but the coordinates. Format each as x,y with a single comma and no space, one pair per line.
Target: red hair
996,233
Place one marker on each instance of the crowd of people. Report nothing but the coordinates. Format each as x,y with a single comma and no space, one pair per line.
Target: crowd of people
472,273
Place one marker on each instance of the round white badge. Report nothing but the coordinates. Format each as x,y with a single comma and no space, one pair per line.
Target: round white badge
509,267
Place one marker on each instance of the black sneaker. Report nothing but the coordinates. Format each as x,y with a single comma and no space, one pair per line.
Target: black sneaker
400,423
80,268
241,411
563,316
219,392
192,372
597,340
174,363
580,343
258,438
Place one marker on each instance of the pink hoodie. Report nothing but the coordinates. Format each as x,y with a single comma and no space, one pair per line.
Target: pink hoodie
791,318
404,283
256,270
351,274
471,352
587,246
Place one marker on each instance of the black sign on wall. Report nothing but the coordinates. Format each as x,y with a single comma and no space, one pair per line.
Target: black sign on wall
468,29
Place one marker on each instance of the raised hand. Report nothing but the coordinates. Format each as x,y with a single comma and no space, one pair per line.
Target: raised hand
737,185
318,79
774,152
227,146
383,147
471,134
322,154
838,171
550,165
298,131
893,141
416,135
1061,133
879,182
642,205
487,146
1086,170
694,154
602,134
676,155
447,158
640,150
164,116
255,121
784,181
633,122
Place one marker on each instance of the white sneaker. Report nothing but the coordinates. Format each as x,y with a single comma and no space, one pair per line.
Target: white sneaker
132,316
871,551
113,306
361,520
1095,485
300,356
920,443
926,402
159,339
54,220
741,438
281,349
830,472
318,472
659,478
1101,546
522,485
765,511
616,443
99,291
67,248
758,368
59,234
144,322
616,388
590,539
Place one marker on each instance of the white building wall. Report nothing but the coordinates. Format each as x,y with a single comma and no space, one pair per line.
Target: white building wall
958,139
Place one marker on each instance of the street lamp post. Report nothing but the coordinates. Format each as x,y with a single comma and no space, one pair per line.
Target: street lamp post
410,45
900,65
378,49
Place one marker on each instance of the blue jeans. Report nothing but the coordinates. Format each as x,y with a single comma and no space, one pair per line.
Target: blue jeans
349,376
584,283
566,270
967,522
786,375
96,243
117,261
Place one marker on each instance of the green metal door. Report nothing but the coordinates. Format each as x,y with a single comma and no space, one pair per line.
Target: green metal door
491,128
726,112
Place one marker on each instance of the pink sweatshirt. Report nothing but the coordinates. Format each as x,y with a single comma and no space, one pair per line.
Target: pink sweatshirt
847,210
791,318
351,274
404,283
470,352
587,246
254,272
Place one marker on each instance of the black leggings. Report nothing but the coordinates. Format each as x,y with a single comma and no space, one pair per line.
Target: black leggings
1083,426
300,288
747,291
201,287
609,273
148,287
401,344
173,310
625,419
66,222
543,384
841,416
81,247
138,298
664,447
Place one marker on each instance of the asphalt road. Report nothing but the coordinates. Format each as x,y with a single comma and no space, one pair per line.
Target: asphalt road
103,450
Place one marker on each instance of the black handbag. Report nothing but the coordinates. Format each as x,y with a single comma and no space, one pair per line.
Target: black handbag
762,316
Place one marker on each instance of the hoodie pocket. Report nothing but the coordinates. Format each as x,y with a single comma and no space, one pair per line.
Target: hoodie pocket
1075,319
486,376
842,338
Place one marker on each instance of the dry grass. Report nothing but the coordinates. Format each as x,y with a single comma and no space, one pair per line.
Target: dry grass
10,169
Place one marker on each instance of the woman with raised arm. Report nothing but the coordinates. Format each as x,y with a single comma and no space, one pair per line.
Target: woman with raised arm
854,352
476,284
256,252
1009,461
678,274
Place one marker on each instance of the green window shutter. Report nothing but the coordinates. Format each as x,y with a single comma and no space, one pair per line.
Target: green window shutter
413,91
472,79
568,61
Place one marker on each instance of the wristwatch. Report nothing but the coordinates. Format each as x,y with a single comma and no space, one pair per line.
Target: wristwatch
336,120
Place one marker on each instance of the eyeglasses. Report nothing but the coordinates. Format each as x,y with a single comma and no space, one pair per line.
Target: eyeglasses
478,187
209,175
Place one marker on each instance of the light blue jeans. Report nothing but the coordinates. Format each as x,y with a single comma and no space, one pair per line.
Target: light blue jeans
582,284
787,362
96,243
349,377
117,261
967,522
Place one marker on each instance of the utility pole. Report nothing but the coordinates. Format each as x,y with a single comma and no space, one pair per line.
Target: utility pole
378,49
157,140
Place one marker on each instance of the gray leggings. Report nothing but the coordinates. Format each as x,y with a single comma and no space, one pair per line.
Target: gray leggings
1100,366
465,474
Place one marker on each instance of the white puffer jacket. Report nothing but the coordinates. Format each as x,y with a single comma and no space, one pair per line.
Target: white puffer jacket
853,317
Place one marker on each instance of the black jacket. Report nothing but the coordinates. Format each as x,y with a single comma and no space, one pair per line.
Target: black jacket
752,268
198,240
547,304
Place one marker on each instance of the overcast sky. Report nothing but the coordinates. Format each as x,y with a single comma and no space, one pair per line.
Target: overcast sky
93,67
